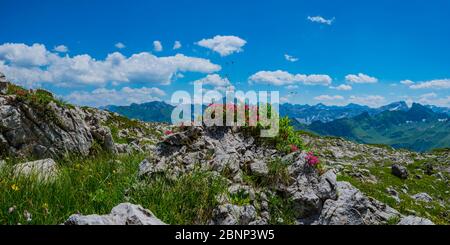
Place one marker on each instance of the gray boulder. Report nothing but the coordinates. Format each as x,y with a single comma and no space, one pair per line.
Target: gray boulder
186,137
354,208
259,167
3,84
149,168
104,136
228,214
413,220
123,214
399,171
424,197
310,191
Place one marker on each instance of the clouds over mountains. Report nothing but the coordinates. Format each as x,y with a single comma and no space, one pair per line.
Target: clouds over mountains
32,65
283,78
124,96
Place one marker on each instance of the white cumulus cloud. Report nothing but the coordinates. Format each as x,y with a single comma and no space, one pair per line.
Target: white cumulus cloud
343,87
24,55
360,78
292,87
283,78
434,99
120,45
326,97
33,65
433,84
407,82
224,45
321,20
219,83
177,45
157,46
214,80
124,96
61,49
290,58
370,100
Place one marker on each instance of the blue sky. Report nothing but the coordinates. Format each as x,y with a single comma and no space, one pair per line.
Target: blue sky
339,52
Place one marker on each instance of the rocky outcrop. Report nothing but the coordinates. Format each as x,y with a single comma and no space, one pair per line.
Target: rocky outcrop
354,208
27,130
231,154
35,124
123,214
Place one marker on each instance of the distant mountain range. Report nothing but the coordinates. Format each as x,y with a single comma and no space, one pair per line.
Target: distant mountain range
419,128
307,114
155,111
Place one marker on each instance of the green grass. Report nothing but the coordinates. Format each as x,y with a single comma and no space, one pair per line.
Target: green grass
278,174
38,97
440,150
189,199
93,185
428,183
96,185
116,122
240,198
281,211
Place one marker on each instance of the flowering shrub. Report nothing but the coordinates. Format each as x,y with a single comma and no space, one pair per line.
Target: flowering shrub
288,140
168,132
294,148
251,113
312,160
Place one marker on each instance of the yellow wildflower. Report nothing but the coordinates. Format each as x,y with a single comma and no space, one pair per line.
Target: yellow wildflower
14,187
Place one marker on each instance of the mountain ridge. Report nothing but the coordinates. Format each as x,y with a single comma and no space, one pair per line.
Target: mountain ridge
418,128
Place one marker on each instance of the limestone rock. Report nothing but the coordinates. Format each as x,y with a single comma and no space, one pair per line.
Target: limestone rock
413,220
258,167
353,208
44,170
148,168
424,197
123,214
399,171
229,214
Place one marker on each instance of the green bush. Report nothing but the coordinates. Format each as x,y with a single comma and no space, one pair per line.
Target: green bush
287,137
